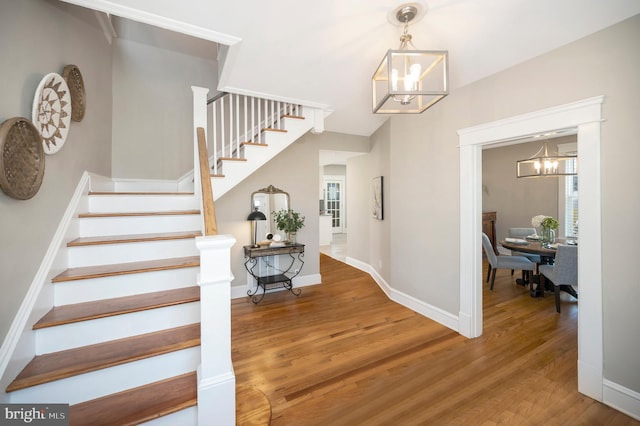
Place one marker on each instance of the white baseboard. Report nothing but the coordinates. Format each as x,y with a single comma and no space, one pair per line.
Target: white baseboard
465,326
364,267
185,182
99,183
622,399
418,306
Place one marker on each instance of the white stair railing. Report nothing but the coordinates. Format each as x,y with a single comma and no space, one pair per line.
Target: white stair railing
233,120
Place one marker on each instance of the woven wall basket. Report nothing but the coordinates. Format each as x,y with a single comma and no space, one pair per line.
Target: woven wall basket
22,158
51,112
73,77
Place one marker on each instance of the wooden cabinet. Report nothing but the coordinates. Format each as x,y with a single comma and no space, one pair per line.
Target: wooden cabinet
489,228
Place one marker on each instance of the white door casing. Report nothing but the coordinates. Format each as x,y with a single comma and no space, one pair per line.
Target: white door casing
584,117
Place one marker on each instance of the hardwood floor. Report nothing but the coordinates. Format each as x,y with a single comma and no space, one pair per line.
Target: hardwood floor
342,353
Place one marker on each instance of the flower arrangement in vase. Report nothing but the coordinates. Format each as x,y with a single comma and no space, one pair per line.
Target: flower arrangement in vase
548,226
288,221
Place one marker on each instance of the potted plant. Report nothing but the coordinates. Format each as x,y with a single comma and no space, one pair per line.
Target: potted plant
288,221
548,226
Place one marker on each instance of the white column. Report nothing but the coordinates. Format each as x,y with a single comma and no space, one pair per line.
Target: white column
470,314
216,379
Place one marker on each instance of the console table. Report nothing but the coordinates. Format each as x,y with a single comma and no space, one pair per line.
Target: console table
291,255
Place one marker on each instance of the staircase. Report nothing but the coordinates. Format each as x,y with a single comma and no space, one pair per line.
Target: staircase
244,133
121,344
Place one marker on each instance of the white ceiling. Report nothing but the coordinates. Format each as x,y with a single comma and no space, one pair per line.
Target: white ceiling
325,52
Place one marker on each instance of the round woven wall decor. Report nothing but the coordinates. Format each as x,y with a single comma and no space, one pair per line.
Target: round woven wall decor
73,77
52,112
21,158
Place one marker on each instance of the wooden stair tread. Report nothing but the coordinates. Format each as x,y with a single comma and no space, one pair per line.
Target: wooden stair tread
133,238
138,193
254,144
270,129
72,362
85,311
156,213
231,159
138,405
297,117
86,272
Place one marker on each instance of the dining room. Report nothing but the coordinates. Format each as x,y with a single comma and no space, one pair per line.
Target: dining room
517,205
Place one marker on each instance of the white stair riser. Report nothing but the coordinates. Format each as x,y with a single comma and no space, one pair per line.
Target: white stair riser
127,225
140,203
186,417
138,185
123,285
96,384
104,254
61,337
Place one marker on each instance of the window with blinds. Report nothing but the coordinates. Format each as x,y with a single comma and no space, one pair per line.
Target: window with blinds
568,194
571,203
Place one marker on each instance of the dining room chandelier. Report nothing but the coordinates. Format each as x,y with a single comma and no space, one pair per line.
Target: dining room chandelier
547,162
409,81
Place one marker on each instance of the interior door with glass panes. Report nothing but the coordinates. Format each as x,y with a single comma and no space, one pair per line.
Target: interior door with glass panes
334,203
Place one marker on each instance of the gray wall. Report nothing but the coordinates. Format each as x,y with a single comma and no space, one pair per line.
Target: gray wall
424,163
291,171
153,108
369,239
38,37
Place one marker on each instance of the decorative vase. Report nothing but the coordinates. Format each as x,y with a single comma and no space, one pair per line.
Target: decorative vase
548,236
291,236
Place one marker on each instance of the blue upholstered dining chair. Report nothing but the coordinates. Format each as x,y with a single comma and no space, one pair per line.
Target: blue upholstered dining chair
523,233
504,262
563,273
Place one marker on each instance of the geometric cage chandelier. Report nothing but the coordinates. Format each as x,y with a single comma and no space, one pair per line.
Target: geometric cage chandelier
409,81
547,164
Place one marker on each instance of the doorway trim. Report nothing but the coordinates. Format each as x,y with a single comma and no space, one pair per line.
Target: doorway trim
584,118
341,179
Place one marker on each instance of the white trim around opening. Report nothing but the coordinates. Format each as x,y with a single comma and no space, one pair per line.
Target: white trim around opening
583,117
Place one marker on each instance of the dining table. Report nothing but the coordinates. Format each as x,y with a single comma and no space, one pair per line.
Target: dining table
547,253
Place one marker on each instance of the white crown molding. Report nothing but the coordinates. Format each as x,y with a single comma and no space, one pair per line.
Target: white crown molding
114,8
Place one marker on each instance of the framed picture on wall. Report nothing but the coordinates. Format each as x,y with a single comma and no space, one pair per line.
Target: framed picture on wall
377,198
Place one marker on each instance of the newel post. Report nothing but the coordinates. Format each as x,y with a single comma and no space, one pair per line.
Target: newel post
216,379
